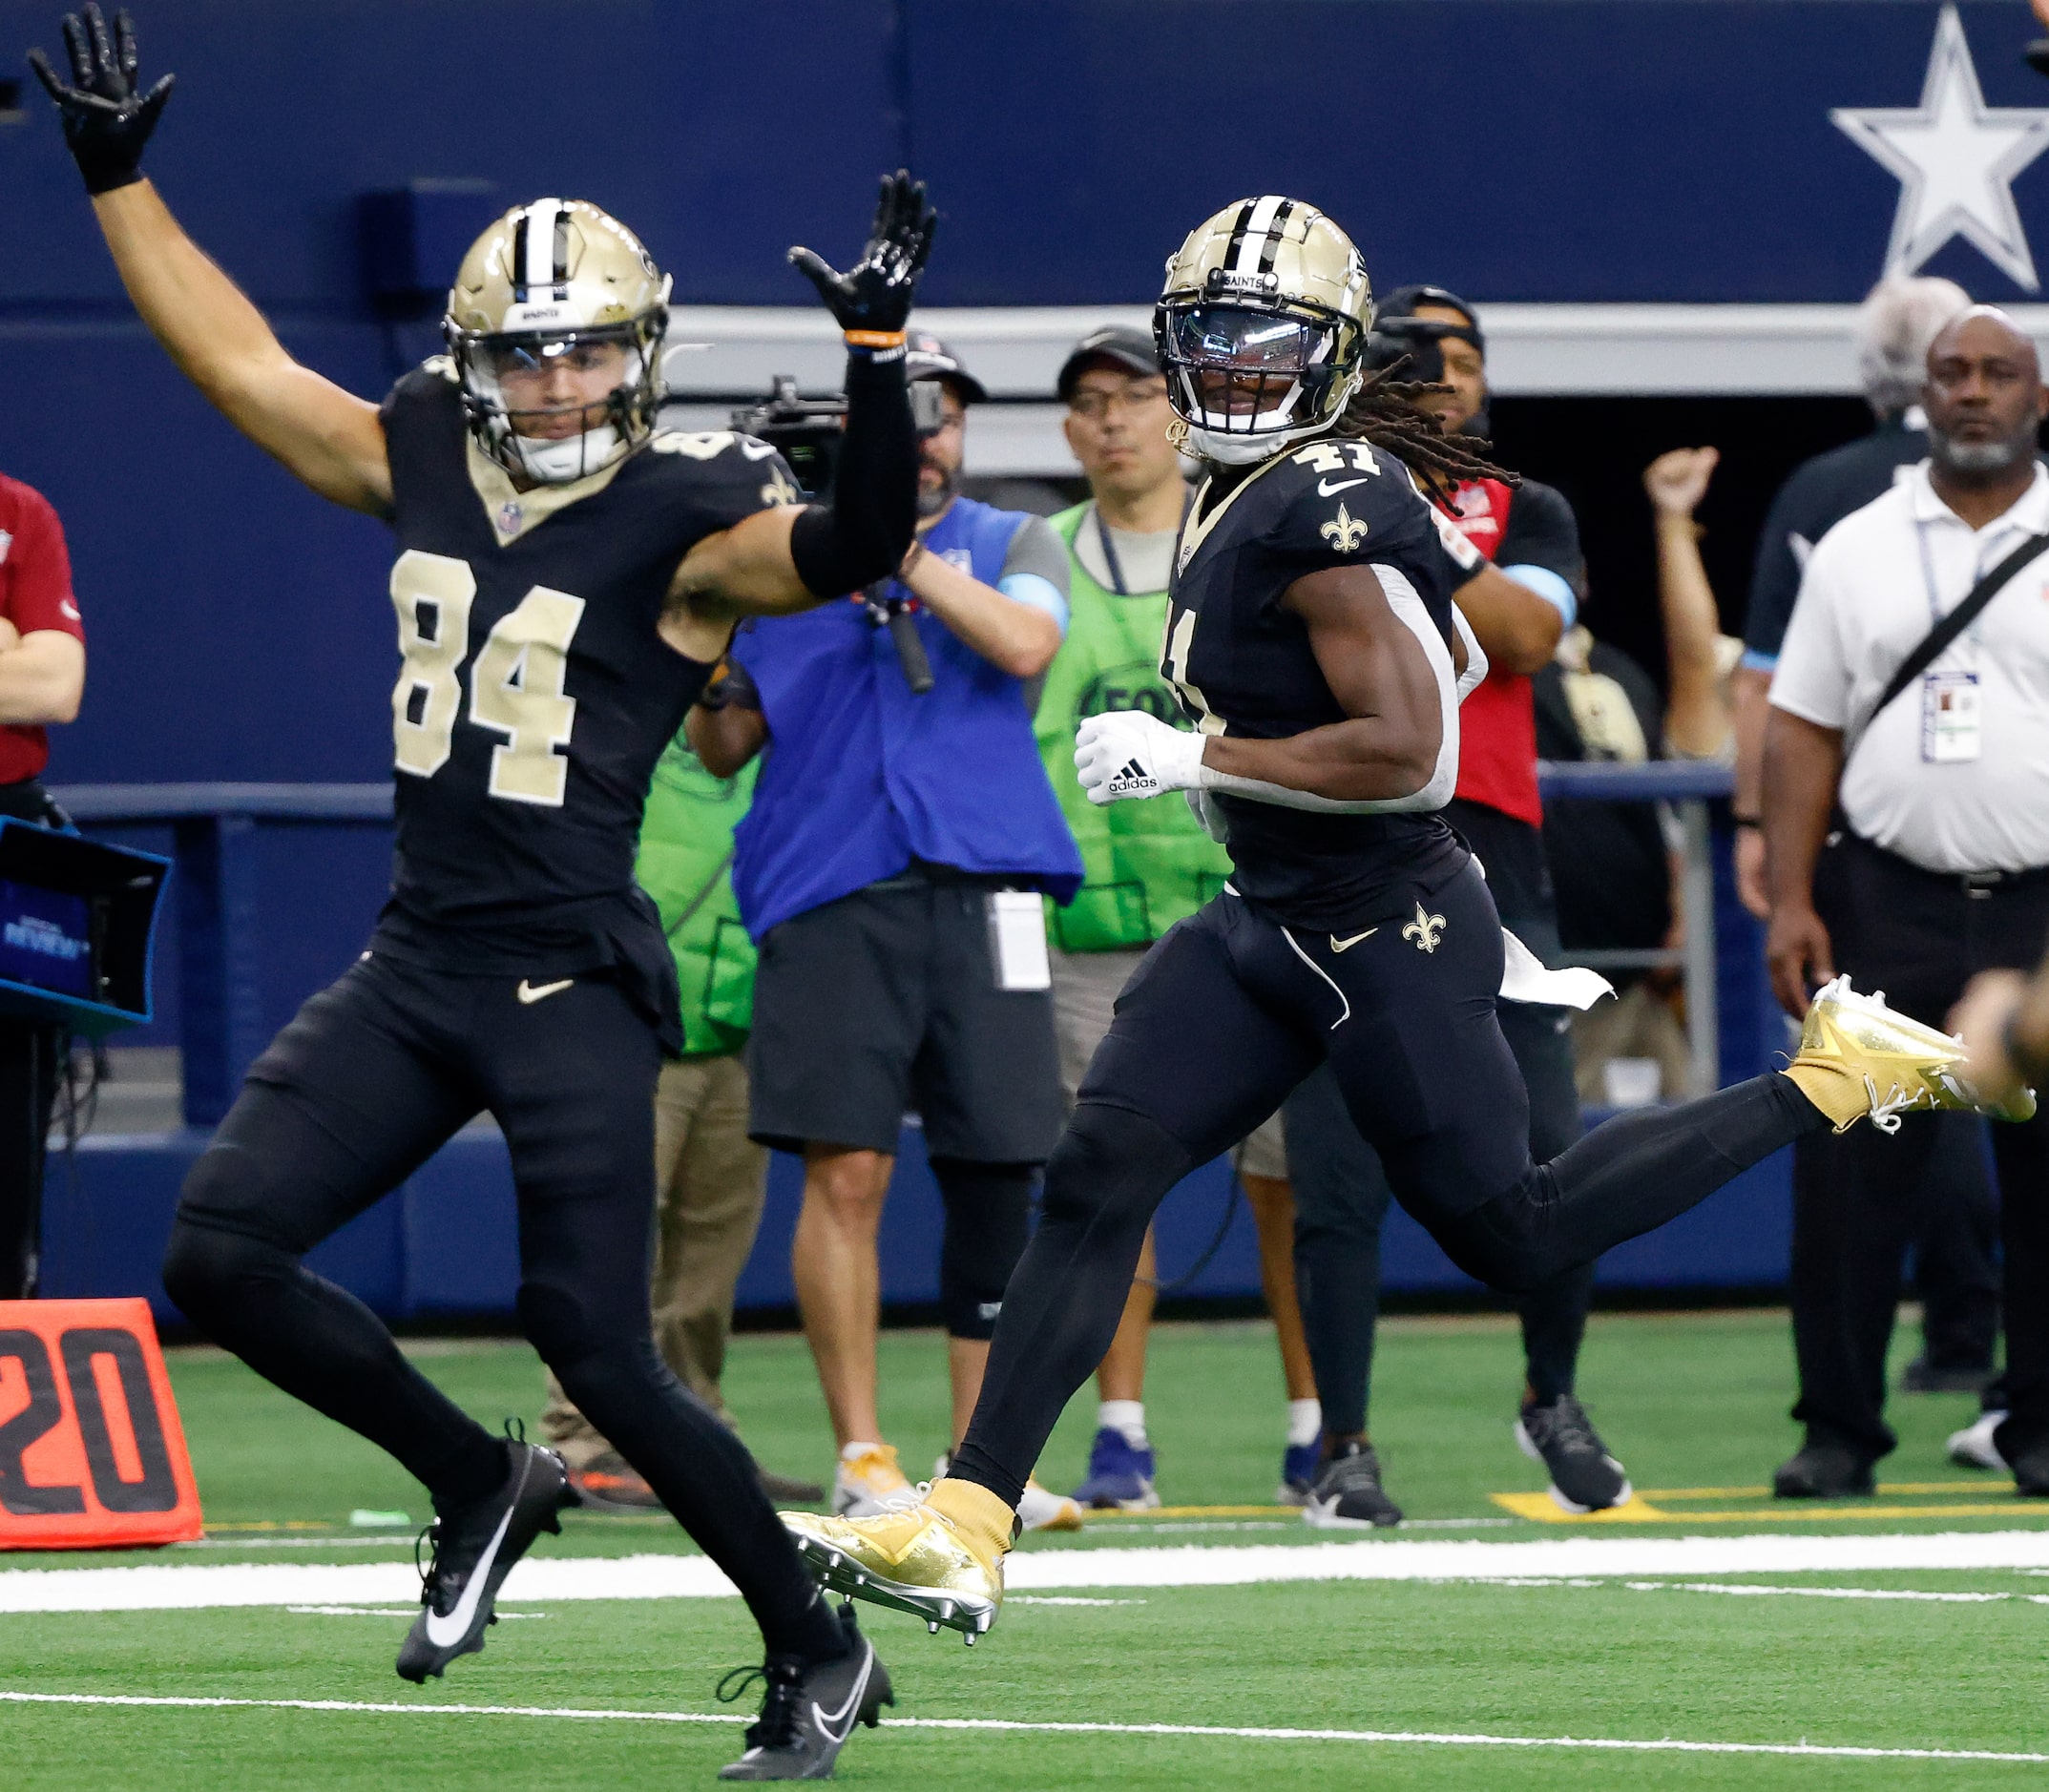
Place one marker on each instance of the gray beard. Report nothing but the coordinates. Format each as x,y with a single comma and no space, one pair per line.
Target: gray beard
1977,458
931,503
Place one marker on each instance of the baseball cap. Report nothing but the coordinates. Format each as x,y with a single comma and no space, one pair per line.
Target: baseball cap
927,358
1130,349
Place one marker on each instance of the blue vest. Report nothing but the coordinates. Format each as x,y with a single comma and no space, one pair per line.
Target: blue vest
860,777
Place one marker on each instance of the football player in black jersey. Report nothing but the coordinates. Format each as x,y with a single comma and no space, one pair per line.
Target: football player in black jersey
566,578
1313,640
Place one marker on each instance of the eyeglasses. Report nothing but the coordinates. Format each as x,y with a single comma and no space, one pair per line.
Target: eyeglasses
1096,405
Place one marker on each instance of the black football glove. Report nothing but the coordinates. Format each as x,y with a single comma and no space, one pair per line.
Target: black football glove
875,293
105,122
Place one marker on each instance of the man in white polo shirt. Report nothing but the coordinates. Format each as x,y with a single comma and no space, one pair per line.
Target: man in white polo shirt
1936,868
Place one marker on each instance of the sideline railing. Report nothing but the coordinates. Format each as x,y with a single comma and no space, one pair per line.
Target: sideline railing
214,828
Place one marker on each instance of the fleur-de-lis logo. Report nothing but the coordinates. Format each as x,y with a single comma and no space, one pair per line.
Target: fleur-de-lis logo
779,491
1344,531
1426,931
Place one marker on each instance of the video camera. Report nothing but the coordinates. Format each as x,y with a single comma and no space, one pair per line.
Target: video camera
806,431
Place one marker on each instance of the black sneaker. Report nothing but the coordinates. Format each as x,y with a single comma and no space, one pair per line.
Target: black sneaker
2030,1472
611,1484
809,1712
1824,1471
475,1549
1584,1478
1347,1492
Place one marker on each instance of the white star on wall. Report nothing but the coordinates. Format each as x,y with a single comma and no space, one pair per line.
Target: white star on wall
1955,159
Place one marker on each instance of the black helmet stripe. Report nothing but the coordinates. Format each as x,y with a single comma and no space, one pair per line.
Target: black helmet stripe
1249,237
540,245
1274,235
1238,231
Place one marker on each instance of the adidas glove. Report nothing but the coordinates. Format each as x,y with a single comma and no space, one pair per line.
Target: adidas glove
1127,753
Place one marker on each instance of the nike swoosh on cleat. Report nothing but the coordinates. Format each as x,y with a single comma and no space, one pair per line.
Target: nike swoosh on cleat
530,994
1325,489
1345,946
444,1633
838,1724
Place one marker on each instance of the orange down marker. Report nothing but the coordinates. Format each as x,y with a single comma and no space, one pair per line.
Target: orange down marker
91,1454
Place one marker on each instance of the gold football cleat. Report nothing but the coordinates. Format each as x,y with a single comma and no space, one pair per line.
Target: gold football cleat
1859,1058
916,1560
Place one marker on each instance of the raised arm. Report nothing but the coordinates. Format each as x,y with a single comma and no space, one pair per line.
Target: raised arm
1698,717
782,560
330,438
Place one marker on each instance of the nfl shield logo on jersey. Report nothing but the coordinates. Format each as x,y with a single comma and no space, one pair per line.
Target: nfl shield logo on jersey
509,517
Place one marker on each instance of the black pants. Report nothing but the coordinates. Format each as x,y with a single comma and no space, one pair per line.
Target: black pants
31,1060
1861,1199
1226,1014
372,1076
1341,1201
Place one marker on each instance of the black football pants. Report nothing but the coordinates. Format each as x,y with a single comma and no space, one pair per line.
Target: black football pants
1861,1199
371,1077
1341,1201
1226,1014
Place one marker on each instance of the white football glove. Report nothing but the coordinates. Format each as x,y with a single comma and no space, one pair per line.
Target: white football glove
1125,753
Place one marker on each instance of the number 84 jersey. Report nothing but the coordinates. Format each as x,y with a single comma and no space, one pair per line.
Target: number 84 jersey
535,694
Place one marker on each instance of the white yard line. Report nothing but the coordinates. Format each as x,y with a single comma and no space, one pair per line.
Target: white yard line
1664,1745
548,1580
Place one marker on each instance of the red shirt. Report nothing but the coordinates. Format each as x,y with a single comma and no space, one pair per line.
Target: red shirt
1497,723
36,593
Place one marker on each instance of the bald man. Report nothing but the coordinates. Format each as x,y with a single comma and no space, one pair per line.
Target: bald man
1938,871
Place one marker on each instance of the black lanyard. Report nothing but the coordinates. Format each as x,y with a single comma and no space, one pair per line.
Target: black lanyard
1110,560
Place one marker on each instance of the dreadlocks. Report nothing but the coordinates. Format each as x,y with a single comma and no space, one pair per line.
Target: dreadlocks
1389,414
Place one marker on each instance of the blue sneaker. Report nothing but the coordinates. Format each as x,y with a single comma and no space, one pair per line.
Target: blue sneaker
1299,1464
1120,1477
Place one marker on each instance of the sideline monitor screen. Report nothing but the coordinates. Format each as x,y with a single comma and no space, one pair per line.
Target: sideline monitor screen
46,939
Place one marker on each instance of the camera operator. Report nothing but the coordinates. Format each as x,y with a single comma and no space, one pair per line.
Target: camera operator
892,872
42,679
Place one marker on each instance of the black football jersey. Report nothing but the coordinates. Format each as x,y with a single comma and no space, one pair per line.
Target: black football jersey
535,694
1242,665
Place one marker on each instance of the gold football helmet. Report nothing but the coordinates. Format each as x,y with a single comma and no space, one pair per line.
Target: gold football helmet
1261,327
548,299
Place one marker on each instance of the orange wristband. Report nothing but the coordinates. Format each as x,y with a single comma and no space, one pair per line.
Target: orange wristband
875,339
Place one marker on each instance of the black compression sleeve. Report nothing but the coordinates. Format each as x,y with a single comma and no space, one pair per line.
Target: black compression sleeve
864,533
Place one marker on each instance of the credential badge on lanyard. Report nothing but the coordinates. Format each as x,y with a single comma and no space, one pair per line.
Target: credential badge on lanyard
1953,729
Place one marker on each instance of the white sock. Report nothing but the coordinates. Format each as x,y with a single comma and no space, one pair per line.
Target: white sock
1127,1416
853,1450
1305,1421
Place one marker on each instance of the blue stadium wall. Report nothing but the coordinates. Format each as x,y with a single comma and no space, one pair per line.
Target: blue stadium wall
1534,151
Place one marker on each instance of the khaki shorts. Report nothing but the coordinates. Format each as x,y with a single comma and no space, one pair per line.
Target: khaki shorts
1085,988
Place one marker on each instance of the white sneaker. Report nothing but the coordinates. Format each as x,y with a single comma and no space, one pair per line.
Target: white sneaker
1038,1510
868,1483
1973,1447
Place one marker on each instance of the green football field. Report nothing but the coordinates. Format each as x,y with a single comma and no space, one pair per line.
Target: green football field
1705,1639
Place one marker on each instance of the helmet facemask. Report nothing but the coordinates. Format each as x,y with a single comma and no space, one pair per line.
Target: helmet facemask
514,400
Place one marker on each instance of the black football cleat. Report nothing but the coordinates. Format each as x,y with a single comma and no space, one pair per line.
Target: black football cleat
810,1711
475,1549
1347,1492
1584,1478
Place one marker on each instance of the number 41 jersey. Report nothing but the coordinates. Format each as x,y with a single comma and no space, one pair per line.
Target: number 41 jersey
1243,665
535,694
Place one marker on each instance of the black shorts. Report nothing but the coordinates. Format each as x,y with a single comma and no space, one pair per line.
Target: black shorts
379,1069
1231,1010
886,1000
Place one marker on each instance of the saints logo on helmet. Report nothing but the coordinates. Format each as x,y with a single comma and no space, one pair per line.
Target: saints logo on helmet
1261,327
555,323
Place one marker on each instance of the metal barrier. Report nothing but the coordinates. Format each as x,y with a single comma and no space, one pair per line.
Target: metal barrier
222,1028
1688,785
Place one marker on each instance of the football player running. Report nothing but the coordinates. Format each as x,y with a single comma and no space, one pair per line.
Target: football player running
566,578
1313,640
